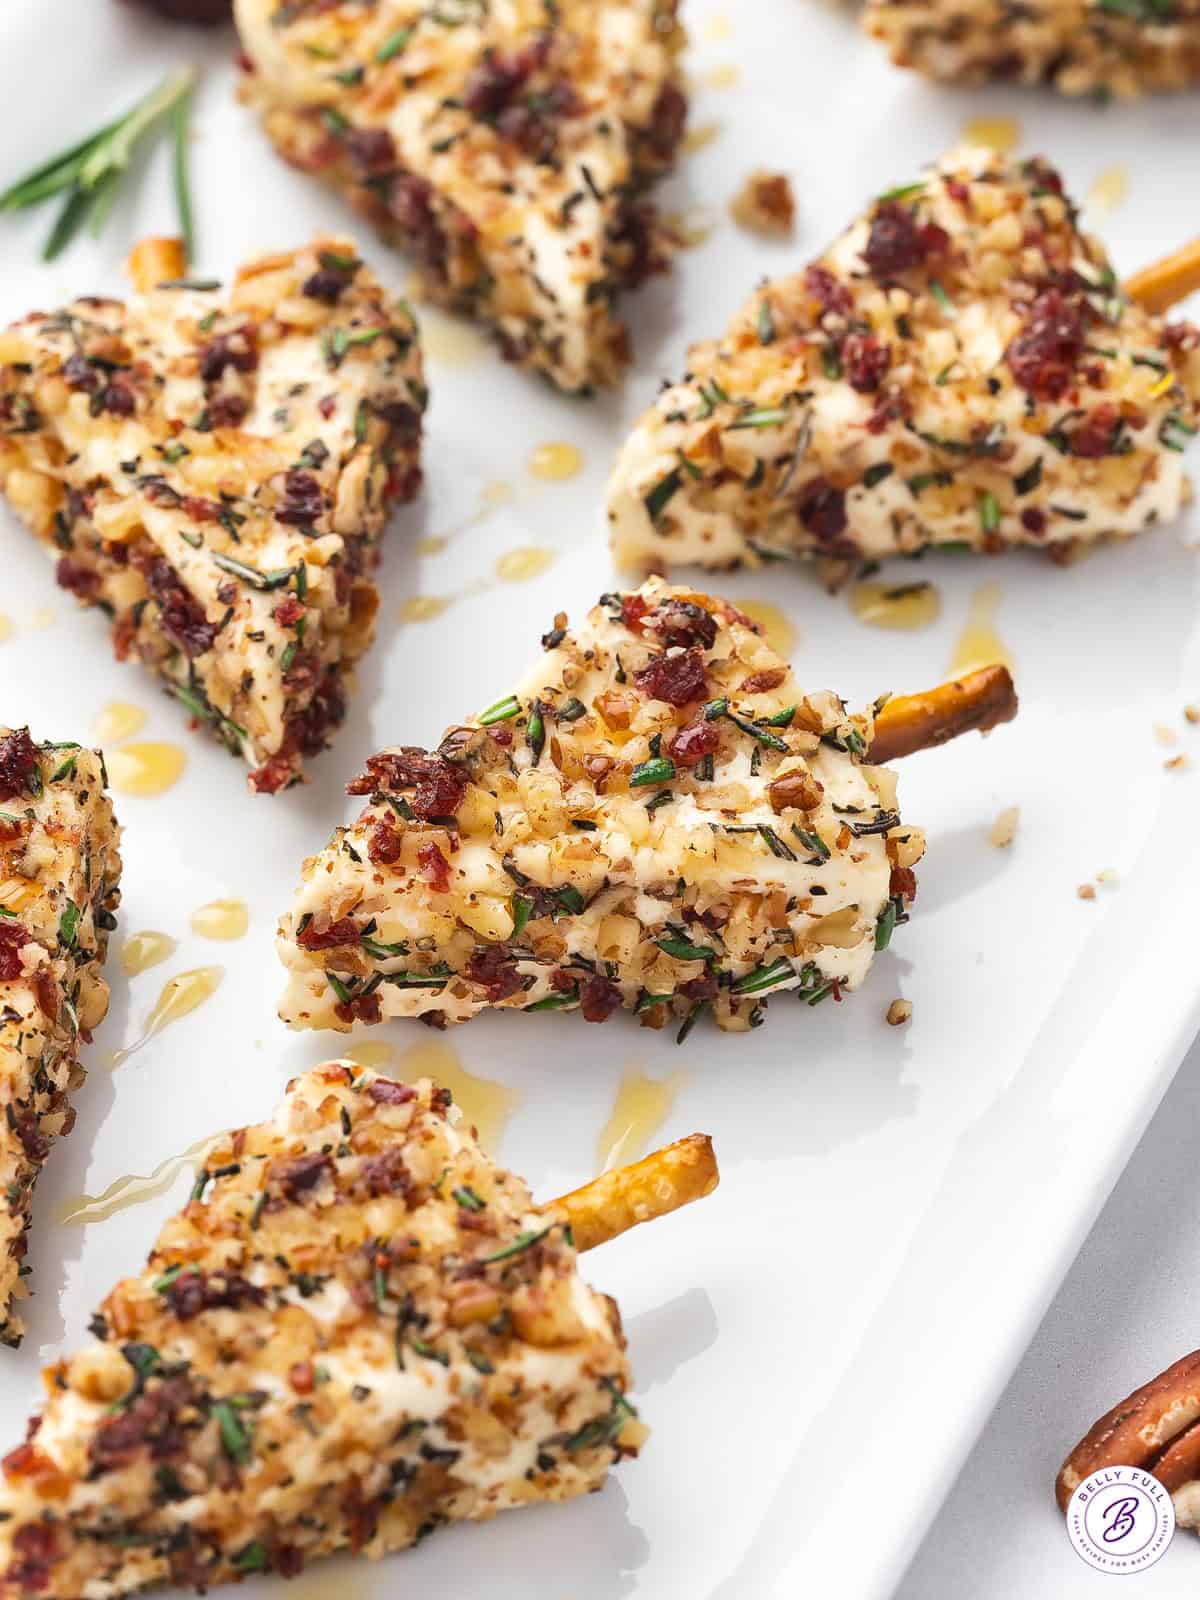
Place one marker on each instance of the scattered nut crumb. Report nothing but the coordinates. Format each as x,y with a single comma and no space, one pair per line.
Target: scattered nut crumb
1004,829
1108,876
764,204
899,1012
1192,713
1163,734
1176,764
1085,891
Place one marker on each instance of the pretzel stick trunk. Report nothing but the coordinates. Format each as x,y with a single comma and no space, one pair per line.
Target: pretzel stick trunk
909,722
1156,1428
1164,283
617,1201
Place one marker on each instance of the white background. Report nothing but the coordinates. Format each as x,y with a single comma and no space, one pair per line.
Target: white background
818,1345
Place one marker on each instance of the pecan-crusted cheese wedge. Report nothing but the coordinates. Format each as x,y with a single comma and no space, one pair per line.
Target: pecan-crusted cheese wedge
959,368
1097,47
59,875
659,819
1156,1429
215,471
358,1328
507,144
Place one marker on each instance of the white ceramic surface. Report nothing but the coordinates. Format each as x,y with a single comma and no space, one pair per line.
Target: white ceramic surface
816,1345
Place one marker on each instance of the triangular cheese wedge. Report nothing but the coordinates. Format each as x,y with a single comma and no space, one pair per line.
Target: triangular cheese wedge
59,877
358,1329
214,471
1095,47
659,818
960,368
508,148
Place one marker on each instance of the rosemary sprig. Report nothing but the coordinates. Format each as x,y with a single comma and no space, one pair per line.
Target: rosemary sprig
89,174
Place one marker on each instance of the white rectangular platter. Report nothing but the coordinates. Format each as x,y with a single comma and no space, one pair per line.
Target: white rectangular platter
817,1345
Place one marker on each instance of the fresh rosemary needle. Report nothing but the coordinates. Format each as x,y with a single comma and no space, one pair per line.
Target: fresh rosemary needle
89,174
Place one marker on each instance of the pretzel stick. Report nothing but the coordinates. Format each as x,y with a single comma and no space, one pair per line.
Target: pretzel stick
617,1201
911,722
1155,1429
1164,283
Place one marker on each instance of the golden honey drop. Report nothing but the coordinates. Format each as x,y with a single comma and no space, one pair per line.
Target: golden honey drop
372,1054
1108,190
451,343
118,720
778,630
498,493
907,608
43,617
485,1103
555,462
717,28
145,769
180,996
1001,134
6,627
722,77
641,1108
525,562
128,1190
221,919
424,607
433,545
697,138
144,950
979,645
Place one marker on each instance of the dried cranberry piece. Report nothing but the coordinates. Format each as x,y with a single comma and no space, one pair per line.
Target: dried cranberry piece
302,501
492,84
386,1173
410,201
207,12
387,1092
897,241
702,988
194,1291
693,743
824,287
34,1549
1033,520
288,612
298,1174
371,150
667,121
337,933
822,509
494,967
865,360
362,1008
1094,435
633,609
403,419
325,285
1043,355
18,758
238,350
183,619
599,997
309,729
82,581
79,373
680,622
119,400
903,881
437,784
227,410
674,678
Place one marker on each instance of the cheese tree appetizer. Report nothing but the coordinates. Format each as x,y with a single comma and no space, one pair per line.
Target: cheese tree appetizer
960,368
359,1328
59,876
1093,47
1157,1429
658,818
507,147
214,472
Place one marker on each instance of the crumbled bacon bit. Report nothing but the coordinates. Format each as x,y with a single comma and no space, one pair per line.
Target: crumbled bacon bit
35,1547
362,1008
82,581
342,932
1043,355
676,678
599,997
298,1174
387,1092
18,758
903,881
385,843
691,744
194,1291
435,867
633,609
288,612
898,242
1095,434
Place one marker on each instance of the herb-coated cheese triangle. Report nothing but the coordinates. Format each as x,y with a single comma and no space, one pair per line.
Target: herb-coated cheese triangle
59,876
1093,47
358,1329
508,146
960,368
659,818
215,470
